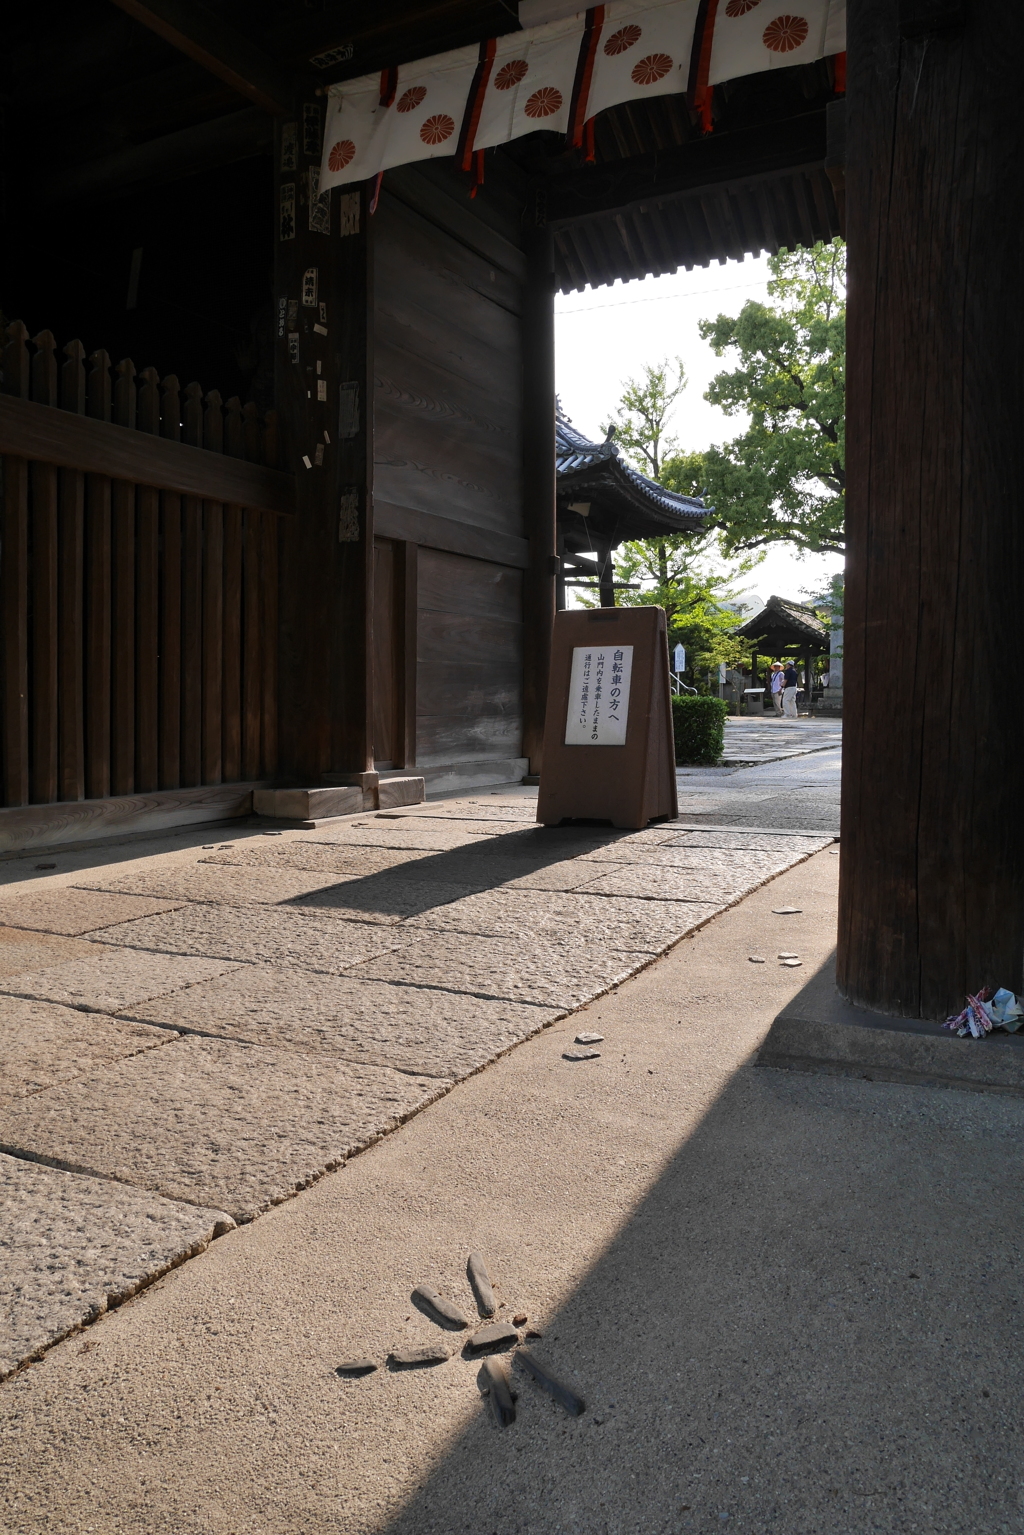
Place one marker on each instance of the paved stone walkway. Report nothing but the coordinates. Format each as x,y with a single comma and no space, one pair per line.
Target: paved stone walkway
193,1032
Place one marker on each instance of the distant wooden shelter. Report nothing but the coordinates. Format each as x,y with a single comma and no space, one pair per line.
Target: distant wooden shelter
785,629
602,501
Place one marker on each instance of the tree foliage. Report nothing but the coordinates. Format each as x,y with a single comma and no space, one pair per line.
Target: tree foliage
784,479
642,413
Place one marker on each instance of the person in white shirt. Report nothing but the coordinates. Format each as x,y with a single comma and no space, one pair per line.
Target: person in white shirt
777,685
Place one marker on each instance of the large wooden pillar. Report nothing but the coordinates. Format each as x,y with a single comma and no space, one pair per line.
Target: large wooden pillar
932,885
539,580
324,305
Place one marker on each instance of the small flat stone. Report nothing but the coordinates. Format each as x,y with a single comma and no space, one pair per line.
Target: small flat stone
437,1308
787,955
495,1385
756,959
562,1394
790,963
406,1358
786,911
498,1336
580,1055
355,1367
520,1319
480,1280
589,1039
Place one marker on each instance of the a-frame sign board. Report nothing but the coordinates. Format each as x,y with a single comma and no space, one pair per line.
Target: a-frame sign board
609,751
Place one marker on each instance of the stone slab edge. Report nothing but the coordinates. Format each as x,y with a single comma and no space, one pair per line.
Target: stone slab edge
844,1041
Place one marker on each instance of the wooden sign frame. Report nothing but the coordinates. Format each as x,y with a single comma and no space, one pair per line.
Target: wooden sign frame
628,784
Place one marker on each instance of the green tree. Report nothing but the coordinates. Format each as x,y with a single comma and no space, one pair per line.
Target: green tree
784,479
642,414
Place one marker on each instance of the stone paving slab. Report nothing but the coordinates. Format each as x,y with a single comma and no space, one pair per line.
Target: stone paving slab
73,1246
42,1044
386,899
73,912
231,886
409,833
532,969
670,884
20,950
634,925
654,862
319,857
258,934
438,1033
106,980
241,1127
768,841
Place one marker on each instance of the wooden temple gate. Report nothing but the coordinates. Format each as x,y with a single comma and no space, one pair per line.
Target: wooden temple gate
413,379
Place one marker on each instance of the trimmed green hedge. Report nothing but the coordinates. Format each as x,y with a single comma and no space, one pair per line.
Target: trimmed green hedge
699,727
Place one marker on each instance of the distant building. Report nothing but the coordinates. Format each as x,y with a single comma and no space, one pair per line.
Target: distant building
602,501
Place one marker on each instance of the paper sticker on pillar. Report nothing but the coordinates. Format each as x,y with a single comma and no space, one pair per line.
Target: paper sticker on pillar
293,347
348,206
348,517
348,410
287,222
290,147
282,311
319,204
321,389
599,695
310,282
311,130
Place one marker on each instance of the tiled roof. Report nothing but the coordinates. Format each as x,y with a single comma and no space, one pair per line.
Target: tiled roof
580,462
781,613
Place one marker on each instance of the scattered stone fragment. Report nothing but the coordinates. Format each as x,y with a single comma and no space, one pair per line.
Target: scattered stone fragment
495,1385
543,1376
437,1308
483,1289
785,955
786,911
404,1358
499,1336
756,959
790,963
356,1367
534,1332
589,1039
580,1055
520,1319
46,865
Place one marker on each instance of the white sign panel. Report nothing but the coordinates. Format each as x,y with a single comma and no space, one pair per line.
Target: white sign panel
599,695
680,658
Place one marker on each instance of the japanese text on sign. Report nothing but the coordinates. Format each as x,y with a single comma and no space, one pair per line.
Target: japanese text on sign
599,695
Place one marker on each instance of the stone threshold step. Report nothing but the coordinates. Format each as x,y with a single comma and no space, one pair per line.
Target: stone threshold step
821,1032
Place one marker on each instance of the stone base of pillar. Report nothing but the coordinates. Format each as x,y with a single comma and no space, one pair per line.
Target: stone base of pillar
820,1032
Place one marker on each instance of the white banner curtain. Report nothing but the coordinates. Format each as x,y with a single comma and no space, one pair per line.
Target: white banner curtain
561,75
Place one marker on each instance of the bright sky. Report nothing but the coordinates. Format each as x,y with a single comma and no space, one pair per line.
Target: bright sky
604,336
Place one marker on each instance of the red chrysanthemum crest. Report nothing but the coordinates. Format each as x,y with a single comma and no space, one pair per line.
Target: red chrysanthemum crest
785,33
510,74
544,103
414,97
740,7
438,128
341,154
622,40
651,69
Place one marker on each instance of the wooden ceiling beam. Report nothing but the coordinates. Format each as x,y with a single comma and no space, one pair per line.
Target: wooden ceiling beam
196,32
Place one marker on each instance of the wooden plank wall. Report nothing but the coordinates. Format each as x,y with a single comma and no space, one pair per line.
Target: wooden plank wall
448,444
138,626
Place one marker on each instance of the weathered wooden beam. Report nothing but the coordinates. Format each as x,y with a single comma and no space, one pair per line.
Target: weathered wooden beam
197,32
202,147
433,532
795,143
539,505
49,435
